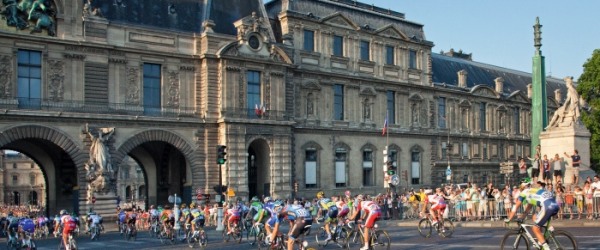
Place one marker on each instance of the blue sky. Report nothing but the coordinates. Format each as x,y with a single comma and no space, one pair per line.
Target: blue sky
500,32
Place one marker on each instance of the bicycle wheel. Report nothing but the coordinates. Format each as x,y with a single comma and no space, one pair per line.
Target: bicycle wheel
513,239
260,241
448,229
192,240
321,237
225,235
562,240
238,235
342,238
202,240
425,228
380,240
73,244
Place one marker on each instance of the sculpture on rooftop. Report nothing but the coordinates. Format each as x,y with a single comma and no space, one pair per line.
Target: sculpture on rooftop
568,114
35,14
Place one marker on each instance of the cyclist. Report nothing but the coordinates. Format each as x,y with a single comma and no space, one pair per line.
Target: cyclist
68,224
26,225
273,222
167,218
256,208
94,220
299,218
438,204
184,217
12,225
197,217
57,225
130,219
328,209
120,218
541,198
342,207
232,216
371,211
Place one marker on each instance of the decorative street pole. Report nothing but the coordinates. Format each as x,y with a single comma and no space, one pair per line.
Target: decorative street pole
539,115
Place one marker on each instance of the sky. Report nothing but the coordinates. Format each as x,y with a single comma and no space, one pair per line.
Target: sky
500,32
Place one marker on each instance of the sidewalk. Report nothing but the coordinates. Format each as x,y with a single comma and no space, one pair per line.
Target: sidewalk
490,224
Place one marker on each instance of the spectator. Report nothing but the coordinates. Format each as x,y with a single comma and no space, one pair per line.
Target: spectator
546,169
557,167
522,168
596,188
491,206
576,161
588,191
579,197
535,167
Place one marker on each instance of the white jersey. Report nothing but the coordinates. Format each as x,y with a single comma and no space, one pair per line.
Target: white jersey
436,199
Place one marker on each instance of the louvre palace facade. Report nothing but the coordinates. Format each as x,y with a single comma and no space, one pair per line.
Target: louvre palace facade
298,91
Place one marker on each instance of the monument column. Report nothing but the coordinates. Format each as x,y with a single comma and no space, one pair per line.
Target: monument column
539,115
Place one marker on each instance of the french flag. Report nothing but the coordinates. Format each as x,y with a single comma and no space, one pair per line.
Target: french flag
385,126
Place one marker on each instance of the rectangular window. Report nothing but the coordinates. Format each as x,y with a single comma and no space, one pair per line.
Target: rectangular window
14,165
32,180
340,168
391,107
415,168
310,168
29,79
338,102
389,55
309,40
465,150
393,156
412,59
152,84
442,112
482,116
364,51
338,46
367,168
517,120
15,179
253,92
444,150
485,151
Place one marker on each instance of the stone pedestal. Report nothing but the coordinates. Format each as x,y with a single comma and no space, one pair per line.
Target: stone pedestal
558,140
105,205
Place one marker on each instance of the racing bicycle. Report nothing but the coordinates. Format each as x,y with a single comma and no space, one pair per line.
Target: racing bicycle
521,238
444,228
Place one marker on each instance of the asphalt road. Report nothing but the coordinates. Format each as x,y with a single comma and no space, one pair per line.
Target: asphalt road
402,238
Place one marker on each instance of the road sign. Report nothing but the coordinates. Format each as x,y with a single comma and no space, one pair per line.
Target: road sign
199,197
173,200
230,192
93,199
395,180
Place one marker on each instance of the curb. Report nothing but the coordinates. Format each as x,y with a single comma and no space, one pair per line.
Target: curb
493,224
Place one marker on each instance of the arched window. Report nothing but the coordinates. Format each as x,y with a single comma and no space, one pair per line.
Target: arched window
341,165
415,161
368,163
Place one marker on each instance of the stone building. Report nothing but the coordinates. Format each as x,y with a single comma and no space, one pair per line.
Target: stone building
298,91
21,180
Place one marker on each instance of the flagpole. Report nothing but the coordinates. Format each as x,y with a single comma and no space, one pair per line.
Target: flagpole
387,133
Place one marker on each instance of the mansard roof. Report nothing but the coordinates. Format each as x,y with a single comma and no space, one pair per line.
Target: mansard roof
445,68
367,17
180,15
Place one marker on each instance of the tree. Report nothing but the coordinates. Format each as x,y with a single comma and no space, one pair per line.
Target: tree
589,89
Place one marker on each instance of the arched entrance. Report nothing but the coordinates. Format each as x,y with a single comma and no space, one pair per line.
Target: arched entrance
259,183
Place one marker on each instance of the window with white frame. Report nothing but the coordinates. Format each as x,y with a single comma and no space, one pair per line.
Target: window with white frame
310,168
368,176
340,167
415,170
465,150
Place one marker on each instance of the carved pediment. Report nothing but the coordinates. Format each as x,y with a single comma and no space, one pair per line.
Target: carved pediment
311,84
339,20
518,96
391,31
253,24
367,91
416,97
483,90
464,103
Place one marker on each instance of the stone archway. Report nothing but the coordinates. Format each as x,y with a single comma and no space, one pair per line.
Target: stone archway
59,158
259,169
167,160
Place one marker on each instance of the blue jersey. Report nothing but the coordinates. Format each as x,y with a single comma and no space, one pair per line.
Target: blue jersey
122,216
297,212
27,225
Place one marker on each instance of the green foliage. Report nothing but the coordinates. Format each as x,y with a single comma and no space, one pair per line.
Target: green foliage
589,89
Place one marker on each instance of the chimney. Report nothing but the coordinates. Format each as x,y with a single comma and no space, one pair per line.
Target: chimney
529,90
499,85
462,78
557,95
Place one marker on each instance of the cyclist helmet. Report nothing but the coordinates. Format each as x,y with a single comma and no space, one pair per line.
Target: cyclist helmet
525,182
359,197
320,194
192,205
63,212
278,205
255,199
267,199
183,205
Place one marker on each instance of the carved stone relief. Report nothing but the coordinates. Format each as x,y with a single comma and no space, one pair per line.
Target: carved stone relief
6,72
267,95
173,99
242,89
133,88
56,78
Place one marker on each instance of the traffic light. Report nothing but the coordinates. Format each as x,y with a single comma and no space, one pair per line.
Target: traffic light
391,169
221,154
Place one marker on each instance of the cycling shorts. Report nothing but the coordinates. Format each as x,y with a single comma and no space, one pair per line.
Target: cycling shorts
371,218
331,214
299,227
547,210
342,213
199,221
233,219
439,207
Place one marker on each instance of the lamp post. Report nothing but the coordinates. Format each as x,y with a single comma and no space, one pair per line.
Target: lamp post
448,154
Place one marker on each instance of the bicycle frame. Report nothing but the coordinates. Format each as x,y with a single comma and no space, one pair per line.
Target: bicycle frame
523,231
